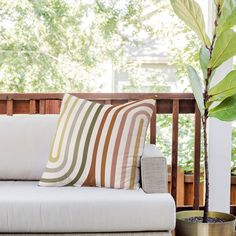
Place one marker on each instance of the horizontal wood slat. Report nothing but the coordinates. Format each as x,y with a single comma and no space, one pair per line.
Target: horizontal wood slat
164,100
97,96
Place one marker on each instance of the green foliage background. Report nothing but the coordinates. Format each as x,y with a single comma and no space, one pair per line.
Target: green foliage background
61,46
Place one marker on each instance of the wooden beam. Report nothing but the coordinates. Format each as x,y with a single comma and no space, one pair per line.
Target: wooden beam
164,100
115,96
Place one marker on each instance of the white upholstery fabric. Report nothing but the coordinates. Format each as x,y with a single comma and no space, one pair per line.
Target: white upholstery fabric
101,234
26,207
25,142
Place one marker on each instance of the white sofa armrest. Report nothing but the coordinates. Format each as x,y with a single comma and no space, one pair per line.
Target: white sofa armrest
154,175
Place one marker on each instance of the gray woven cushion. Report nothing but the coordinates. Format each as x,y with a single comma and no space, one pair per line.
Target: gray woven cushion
154,171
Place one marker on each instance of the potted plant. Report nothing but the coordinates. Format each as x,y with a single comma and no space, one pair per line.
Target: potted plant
217,101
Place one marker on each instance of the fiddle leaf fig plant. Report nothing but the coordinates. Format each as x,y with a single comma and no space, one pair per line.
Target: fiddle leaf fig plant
217,101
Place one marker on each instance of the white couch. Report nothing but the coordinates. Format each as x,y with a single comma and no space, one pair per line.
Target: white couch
27,208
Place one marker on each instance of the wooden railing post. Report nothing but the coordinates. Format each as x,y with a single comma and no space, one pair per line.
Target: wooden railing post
9,107
175,133
32,106
42,106
153,126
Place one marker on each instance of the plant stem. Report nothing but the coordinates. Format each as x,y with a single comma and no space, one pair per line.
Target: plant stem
206,207
204,120
204,124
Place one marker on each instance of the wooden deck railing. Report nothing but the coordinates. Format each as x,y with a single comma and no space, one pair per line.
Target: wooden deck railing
166,103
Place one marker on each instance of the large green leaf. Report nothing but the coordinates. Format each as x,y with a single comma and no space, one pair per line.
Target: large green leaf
228,24
225,48
190,12
204,57
225,88
195,82
226,110
228,17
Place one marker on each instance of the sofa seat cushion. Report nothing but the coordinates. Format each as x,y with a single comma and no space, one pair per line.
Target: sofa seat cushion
26,207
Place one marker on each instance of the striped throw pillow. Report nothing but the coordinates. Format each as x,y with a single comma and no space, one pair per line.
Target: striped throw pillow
98,145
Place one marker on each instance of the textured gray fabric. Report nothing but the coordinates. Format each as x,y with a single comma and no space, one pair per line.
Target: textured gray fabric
154,174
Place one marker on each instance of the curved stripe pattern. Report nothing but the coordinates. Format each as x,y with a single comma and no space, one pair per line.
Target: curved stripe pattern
98,145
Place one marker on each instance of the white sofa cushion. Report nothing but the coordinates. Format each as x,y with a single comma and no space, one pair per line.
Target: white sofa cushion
25,142
26,207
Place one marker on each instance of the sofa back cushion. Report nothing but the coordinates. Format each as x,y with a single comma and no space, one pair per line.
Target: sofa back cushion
25,142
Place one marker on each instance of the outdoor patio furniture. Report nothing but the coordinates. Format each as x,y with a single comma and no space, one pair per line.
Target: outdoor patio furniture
27,208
